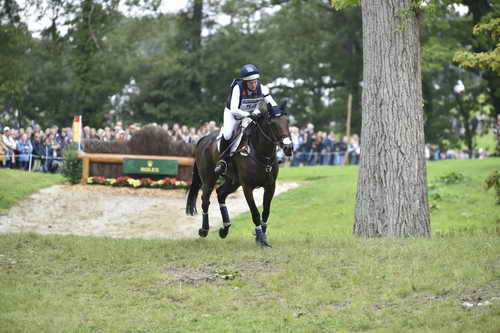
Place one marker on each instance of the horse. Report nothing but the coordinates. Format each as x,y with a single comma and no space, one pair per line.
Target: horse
253,165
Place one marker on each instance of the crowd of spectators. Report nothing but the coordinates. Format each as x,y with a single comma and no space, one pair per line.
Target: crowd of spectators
32,148
35,149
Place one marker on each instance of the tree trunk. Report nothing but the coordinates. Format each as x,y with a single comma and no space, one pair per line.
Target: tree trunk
392,182
197,24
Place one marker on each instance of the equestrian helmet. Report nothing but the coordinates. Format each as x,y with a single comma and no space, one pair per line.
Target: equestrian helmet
249,72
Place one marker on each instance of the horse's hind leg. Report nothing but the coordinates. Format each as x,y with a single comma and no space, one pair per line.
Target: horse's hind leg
268,197
222,192
205,203
260,236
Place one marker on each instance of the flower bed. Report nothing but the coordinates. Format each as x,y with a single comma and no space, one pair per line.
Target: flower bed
165,183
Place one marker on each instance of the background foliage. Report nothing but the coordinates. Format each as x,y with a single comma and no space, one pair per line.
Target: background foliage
96,59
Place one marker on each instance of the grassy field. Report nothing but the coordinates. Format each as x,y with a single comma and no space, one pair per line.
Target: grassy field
317,278
16,185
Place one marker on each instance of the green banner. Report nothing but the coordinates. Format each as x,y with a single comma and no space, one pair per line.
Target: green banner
149,166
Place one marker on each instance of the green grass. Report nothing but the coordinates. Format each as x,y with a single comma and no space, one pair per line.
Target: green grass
317,278
16,185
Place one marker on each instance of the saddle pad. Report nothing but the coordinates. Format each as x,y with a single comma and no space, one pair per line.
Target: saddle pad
236,141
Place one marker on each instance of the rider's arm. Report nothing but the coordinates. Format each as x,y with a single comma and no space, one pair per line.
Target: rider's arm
235,101
267,95
272,106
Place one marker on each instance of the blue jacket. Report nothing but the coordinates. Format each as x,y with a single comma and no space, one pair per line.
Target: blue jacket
25,149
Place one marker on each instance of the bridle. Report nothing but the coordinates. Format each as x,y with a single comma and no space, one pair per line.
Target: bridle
274,141
269,160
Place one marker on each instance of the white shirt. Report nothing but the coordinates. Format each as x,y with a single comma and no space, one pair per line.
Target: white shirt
235,101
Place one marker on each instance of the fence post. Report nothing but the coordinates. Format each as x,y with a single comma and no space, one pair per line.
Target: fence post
85,169
348,128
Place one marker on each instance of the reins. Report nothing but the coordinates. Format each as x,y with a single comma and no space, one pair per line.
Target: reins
268,165
275,142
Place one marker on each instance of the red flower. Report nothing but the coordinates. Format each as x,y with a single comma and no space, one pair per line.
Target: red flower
146,181
99,179
122,179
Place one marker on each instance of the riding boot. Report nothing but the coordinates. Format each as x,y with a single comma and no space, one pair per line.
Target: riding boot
221,166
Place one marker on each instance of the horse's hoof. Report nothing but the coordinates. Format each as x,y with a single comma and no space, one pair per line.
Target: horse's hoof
223,232
261,239
265,245
203,233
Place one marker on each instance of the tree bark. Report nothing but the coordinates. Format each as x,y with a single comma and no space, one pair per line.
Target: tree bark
392,183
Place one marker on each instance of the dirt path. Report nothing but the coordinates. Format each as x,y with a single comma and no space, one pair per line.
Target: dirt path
117,212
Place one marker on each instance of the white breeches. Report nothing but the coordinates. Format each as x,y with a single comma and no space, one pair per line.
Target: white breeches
230,124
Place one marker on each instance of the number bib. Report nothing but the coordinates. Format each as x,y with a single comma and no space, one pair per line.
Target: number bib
250,104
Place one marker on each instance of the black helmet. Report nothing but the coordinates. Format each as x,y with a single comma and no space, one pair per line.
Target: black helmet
249,72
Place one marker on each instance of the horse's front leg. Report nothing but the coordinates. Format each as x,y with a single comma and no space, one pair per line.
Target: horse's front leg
268,197
260,236
222,192
205,203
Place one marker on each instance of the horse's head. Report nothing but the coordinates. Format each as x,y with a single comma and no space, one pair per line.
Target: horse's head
278,123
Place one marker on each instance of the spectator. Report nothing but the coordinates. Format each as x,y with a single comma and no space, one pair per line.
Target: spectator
67,135
25,149
38,151
29,131
9,146
294,135
354,150
47,154
108,134
317,148
86,132
339,151
37,129
121,136
328,141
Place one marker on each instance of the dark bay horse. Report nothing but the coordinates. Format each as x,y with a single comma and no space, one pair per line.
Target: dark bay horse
253,165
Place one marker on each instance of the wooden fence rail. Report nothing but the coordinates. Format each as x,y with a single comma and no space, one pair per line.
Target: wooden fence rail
118,158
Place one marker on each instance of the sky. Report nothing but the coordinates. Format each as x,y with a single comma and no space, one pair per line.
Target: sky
168,6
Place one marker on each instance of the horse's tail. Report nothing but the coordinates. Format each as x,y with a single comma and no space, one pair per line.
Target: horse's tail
193,192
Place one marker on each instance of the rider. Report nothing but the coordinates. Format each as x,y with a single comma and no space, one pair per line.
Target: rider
246,95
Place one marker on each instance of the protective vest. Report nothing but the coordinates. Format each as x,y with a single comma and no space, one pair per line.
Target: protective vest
248,101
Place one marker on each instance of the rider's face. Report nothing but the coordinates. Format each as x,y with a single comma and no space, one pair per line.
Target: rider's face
252,84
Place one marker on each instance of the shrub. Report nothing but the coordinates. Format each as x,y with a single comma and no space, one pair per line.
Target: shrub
72,166
436,189
493,181
452,178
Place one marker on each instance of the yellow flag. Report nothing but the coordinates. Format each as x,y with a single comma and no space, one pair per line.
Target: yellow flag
77,128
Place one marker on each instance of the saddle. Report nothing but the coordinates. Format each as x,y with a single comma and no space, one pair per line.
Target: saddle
237,138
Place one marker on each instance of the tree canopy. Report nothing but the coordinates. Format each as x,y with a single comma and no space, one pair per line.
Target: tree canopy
96,59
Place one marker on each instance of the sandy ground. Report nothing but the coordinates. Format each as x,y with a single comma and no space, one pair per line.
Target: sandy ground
118,212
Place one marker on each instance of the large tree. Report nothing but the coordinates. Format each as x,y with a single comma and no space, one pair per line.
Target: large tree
392,194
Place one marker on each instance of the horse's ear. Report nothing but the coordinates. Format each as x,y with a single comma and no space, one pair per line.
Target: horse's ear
284,104
276,111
